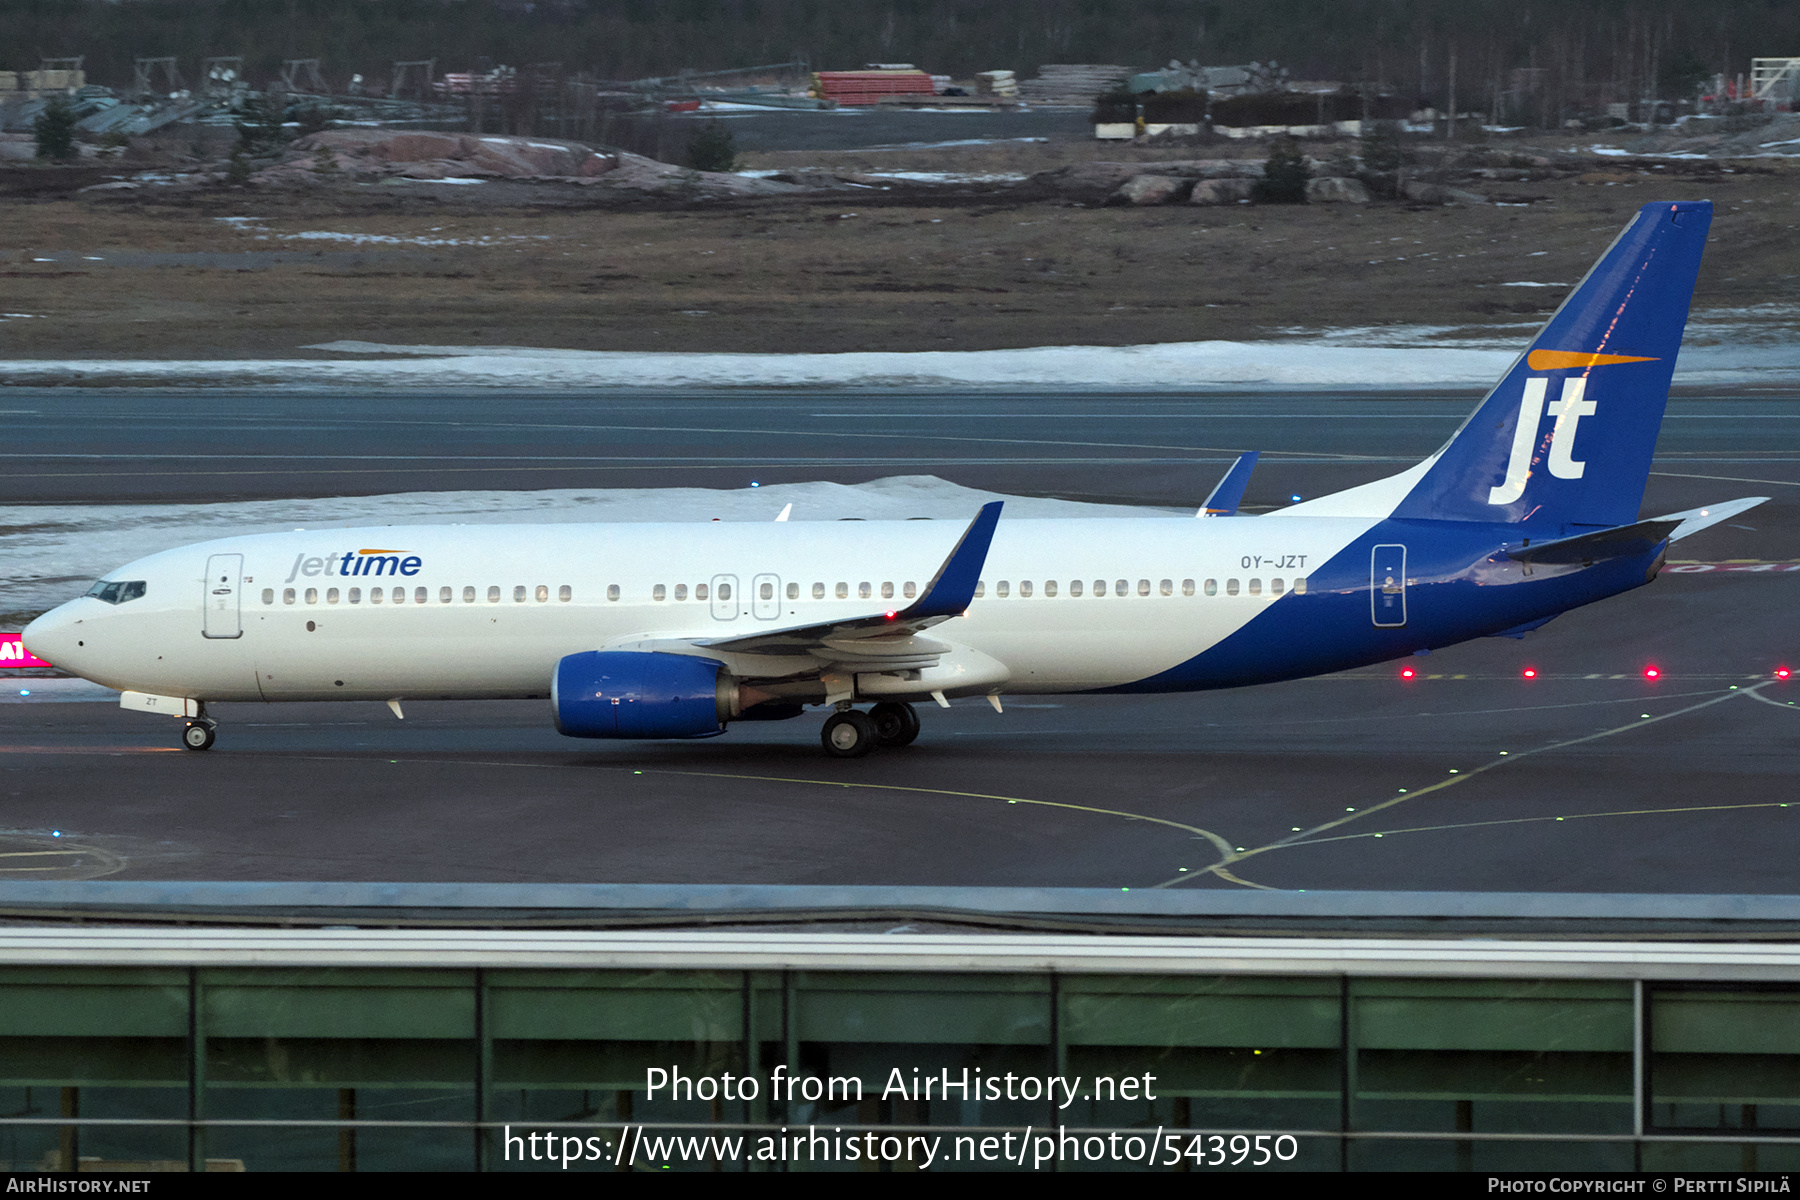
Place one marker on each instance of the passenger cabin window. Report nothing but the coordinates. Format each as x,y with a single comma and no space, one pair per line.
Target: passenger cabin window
1300,585
1074,587
312,595
1099,587
1166,587
1256,587
700,592
400,595
1122,588
1274,587
612,591
288,595
123,591
355,596
331,595
493,594
910,590
766,591
1143,587
1025,587
445,595
374,596
680,591
1231,587
542,593
1187,587
1002,589
1212,587
564,594
518,593
268,595
1049,587
887,590
793,591
818,591
980,588
659,592
843,591
468,595
724,592
864,590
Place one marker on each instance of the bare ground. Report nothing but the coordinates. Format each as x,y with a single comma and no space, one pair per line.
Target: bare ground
971,267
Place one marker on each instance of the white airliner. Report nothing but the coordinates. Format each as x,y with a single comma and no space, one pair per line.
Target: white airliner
675,631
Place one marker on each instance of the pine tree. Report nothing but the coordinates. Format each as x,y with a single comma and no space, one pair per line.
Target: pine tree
1284,174
713,149
54,130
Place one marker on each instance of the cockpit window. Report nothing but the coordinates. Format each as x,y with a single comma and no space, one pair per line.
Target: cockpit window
117,591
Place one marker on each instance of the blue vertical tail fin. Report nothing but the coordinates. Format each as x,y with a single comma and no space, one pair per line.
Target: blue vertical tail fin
1565,438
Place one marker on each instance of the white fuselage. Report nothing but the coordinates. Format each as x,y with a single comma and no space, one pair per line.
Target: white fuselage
488,611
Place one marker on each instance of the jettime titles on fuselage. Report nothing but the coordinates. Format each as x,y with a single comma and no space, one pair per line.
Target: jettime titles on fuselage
356,562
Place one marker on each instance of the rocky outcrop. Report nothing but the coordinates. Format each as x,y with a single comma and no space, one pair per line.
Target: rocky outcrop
1336,189
1222,191
1144,190
364,155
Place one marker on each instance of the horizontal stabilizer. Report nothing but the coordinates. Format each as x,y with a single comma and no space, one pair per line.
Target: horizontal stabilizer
1696,519
1621,541
1229,493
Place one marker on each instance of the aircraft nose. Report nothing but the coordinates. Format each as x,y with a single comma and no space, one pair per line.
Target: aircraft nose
53,637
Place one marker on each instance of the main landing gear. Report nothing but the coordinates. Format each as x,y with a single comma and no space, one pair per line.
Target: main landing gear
852,734
199,732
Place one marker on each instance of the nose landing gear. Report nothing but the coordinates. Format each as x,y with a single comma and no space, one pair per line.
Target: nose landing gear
199,734
852,734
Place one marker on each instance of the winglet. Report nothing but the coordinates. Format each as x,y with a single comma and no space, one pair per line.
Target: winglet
952,589
1229,494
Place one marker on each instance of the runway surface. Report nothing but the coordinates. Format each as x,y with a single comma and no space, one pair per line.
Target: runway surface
1589,777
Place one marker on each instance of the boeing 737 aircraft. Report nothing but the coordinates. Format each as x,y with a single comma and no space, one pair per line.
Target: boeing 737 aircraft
675,631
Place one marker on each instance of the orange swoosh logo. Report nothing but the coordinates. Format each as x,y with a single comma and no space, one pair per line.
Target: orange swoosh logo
1569,360
381,552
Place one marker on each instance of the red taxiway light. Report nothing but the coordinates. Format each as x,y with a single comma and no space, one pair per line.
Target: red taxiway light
1783,673
1652,673
1530,672
1407,672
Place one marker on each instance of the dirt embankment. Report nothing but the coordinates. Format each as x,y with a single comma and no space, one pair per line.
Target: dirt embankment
218,272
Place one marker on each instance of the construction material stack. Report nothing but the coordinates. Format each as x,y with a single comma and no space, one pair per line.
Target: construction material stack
870,87
999,84
1072,83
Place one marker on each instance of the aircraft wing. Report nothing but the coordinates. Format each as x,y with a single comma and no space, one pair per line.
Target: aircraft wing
892,635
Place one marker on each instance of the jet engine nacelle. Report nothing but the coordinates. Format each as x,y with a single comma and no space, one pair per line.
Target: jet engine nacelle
641,694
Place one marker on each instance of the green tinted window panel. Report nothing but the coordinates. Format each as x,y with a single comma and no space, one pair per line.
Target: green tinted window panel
66,1008
1583,1077
617,1066
1248,1072
1725,1022
1123,1011
339,1011
93,1062
1491,1015
1002,1017
1767,1079
665,1014
907,1007
339,1062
